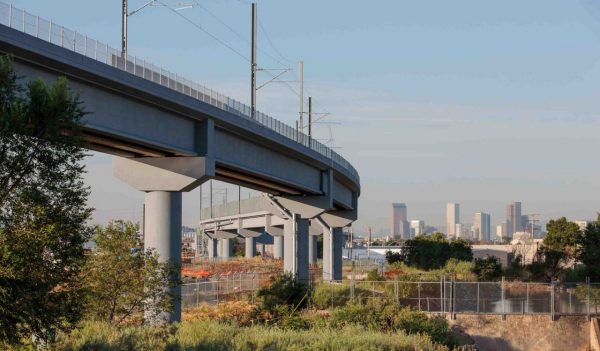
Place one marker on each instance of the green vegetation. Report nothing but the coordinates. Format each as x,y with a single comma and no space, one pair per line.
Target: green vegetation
283,291
487,269
121,279
209,336
43,211
589,250
433,251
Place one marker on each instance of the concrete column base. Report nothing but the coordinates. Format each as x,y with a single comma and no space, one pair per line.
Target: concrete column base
333,243
295,260
278,247
250,247
163,234
312,249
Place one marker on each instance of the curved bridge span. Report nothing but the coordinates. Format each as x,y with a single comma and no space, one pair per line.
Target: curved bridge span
169,135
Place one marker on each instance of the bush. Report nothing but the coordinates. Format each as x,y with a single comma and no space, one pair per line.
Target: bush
487,269
392,257
284,290
380,316
374,276
322,298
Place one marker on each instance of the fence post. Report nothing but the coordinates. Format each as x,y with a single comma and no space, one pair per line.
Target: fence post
552,300
352,283
442,296
418,293
477,297
587,281
503,296
197,293
453,314
527,303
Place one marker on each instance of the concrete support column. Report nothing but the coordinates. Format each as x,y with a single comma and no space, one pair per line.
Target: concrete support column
162,227
295,259
312,249
250,247
333,243
219,249
212,248
278,247
225,249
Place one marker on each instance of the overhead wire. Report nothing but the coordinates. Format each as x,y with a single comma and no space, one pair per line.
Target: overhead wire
231,48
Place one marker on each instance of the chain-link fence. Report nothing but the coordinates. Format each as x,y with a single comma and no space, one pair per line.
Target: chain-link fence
454,297
222,288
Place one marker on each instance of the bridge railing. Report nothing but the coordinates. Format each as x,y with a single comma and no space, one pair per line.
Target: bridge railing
18,19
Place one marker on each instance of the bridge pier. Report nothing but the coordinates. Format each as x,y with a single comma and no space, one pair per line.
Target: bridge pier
212,248
312,249
163,179
162,223
250,247
295,236
225,249
333,243
278,247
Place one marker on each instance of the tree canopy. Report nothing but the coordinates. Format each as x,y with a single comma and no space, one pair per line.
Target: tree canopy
121,279
43,211
559,245
588,252
433,251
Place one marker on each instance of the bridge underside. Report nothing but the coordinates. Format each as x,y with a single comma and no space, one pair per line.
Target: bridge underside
166,142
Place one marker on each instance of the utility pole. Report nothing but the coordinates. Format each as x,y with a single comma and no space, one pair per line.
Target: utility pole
253,64
369,246
301,80
309,120
124,32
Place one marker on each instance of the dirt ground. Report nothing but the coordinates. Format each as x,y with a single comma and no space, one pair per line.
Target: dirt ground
525,333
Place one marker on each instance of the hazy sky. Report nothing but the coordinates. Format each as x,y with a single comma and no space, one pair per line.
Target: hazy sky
475,102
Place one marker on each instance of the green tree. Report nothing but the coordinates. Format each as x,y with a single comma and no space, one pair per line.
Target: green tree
43,210
433,251
122,280
589,249
487,268
559,245
460,249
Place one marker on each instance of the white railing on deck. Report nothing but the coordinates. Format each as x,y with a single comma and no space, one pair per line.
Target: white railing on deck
18,19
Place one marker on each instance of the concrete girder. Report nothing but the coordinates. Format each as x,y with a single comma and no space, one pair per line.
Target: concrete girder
339,218
164,173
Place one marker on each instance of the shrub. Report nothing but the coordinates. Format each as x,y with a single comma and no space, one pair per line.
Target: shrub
488,268
392,257
240,313
374,276
284,290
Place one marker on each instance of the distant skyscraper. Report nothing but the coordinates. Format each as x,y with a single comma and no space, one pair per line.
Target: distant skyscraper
452,219
500,231
417,227
481,226
400,227
514,220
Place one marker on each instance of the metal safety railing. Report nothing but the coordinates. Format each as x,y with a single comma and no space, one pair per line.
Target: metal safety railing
20,20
